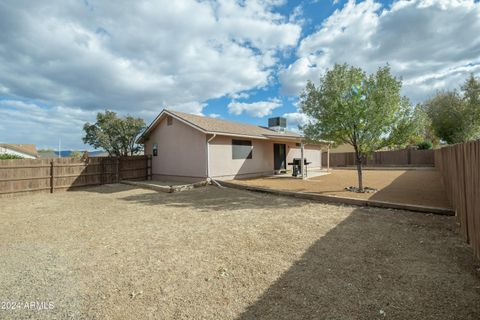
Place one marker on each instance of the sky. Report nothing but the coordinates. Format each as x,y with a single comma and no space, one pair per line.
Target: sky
62,62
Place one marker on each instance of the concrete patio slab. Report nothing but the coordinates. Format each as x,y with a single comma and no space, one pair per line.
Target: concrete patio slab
310,174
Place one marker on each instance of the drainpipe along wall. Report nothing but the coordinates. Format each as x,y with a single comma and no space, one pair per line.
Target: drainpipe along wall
208,161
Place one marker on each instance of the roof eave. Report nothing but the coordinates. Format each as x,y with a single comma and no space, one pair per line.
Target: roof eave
228,134
157,119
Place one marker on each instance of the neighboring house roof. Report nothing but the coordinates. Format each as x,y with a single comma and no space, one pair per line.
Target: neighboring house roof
342,148
29,149
221,127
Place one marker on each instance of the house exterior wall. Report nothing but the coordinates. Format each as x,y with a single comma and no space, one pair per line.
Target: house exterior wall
182,152
313,154
223,167
15,153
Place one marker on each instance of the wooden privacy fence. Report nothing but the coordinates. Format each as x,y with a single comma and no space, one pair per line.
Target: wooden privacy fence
459,166
50,175
405,157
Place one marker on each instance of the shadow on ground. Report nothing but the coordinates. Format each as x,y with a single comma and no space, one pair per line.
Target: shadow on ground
414,187
378,264
371,264
202,198
410,189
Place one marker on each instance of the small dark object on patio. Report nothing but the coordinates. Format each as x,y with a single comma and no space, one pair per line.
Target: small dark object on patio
365,190
297,167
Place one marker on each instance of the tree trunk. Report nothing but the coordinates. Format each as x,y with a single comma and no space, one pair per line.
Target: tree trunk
359,171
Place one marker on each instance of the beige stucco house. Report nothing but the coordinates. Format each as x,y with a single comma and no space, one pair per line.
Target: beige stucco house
186,147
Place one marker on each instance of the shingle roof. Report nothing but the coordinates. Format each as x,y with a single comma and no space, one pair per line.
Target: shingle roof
219,126
30,149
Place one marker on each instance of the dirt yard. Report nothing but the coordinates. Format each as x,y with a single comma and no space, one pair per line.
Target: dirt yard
417,187
115,252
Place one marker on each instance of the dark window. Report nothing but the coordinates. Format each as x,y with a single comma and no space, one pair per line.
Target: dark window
169,121
155,149
241,149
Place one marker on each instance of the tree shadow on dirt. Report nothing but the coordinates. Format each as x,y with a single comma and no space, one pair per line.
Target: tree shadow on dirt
423,187
378,264
105,188
414,187
213,198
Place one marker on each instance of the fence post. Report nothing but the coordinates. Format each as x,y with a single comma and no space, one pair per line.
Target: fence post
117,165
409,156
328,158
51,177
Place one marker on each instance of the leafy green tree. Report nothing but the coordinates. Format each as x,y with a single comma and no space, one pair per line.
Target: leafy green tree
449,117
76,154
455,115
425,145
425,131
115,135
365,111
471,97
407,130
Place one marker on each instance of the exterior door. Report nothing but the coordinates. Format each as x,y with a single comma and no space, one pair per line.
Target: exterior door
279,156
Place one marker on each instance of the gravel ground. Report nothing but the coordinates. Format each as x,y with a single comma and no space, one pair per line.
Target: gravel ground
116,252
417,187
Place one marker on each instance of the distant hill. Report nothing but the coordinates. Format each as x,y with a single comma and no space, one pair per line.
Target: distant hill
66,153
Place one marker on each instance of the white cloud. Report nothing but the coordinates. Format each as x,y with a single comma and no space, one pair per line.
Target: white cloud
297,15
30,123
138,55
239,95
189,107
133,56
257,109
296,119
430,44
214,115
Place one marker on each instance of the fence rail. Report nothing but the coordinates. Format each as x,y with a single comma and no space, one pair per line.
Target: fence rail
406,157
49,175
459,166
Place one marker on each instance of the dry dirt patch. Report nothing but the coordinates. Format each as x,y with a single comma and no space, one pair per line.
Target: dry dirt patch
115,252
415,187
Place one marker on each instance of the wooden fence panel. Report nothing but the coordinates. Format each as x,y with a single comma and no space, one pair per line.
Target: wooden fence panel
23,176
391,158
460,168
134,168
405,157
422,157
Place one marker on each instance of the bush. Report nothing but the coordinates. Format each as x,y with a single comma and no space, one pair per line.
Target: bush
6,156
425,145
76,154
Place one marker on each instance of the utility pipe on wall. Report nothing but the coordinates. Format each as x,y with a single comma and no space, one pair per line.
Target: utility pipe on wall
208,161
302,159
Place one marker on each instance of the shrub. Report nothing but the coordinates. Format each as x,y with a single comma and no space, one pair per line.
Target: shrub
425,145
6,156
